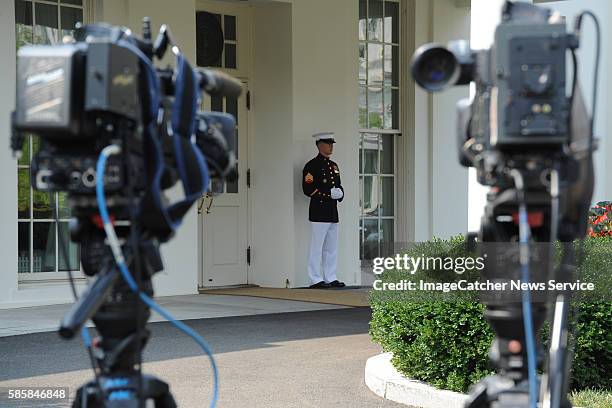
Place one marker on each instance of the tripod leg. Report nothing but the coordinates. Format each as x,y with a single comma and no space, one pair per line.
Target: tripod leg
159,391
85,399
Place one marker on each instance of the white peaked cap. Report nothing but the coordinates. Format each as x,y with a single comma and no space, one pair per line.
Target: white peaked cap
324,136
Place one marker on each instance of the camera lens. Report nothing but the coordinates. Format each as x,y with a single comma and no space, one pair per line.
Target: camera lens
434,67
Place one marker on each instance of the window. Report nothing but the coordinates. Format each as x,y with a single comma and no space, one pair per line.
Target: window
227,105
217,46
43,22
216,41
379,50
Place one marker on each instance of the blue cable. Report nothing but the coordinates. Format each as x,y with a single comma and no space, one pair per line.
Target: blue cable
86,337
100,168
527,317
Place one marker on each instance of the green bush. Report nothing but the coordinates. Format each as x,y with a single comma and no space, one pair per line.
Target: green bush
446,343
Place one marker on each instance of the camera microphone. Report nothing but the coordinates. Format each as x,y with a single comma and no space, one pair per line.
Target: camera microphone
216,83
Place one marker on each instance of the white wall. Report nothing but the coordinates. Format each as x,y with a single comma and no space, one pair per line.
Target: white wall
482,36
441,184
325,95
180,255
450,180
485,16
270,158
586,63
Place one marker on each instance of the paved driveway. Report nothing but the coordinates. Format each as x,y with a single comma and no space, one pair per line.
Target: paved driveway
299,359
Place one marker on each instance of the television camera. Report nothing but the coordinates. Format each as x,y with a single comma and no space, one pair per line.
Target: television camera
116,133
532,142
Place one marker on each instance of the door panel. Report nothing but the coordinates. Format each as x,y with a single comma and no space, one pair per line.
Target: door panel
224,216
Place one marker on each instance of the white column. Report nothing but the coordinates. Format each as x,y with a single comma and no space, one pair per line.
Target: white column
485,16
8,165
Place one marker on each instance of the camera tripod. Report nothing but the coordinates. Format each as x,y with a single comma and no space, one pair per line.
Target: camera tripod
509,388
120,321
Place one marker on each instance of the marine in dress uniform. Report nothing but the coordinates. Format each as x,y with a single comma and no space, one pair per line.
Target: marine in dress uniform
321,182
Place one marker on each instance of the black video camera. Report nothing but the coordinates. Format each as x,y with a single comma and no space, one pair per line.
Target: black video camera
532,142
102,89
521,116
116,133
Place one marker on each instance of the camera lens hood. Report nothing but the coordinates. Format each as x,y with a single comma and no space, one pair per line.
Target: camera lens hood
434,67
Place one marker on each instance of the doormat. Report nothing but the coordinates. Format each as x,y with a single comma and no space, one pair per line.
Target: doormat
345,297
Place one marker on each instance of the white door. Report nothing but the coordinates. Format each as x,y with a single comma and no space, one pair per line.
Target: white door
223,219
224,216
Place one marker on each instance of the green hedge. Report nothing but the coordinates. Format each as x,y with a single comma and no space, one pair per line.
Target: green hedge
446,343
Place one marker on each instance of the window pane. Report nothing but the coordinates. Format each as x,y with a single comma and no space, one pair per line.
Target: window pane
388,66
395,108
44,247
235,143
216,103
370,196
231,107
24,35
375,108
75,2
387,204
25,150
360,154
370,238
360,238
46,15
64,207
387,239
229,29
363,108
391,22
23,193
23,247
386,155
232,186
23,12
375,20
395,65
375,64
216,186
42,206
216,63
69,248
230,55
388,108
362,64
370,153
46,35
35,141
361,193
70,16
362,20
391,108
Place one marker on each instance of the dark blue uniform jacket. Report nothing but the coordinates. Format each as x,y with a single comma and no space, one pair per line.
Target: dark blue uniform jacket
320,175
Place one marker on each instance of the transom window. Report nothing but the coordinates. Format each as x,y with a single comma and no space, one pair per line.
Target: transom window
43,22
379,50
216,40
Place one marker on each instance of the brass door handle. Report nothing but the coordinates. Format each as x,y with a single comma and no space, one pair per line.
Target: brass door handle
203,200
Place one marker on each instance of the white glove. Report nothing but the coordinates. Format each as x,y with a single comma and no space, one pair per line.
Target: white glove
336,193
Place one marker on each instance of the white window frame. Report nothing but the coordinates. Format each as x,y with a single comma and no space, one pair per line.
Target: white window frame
57,276
380,131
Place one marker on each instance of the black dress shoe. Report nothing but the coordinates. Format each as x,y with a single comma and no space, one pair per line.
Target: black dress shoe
337,284
320,285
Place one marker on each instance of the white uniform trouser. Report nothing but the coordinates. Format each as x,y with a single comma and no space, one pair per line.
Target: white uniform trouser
323,251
